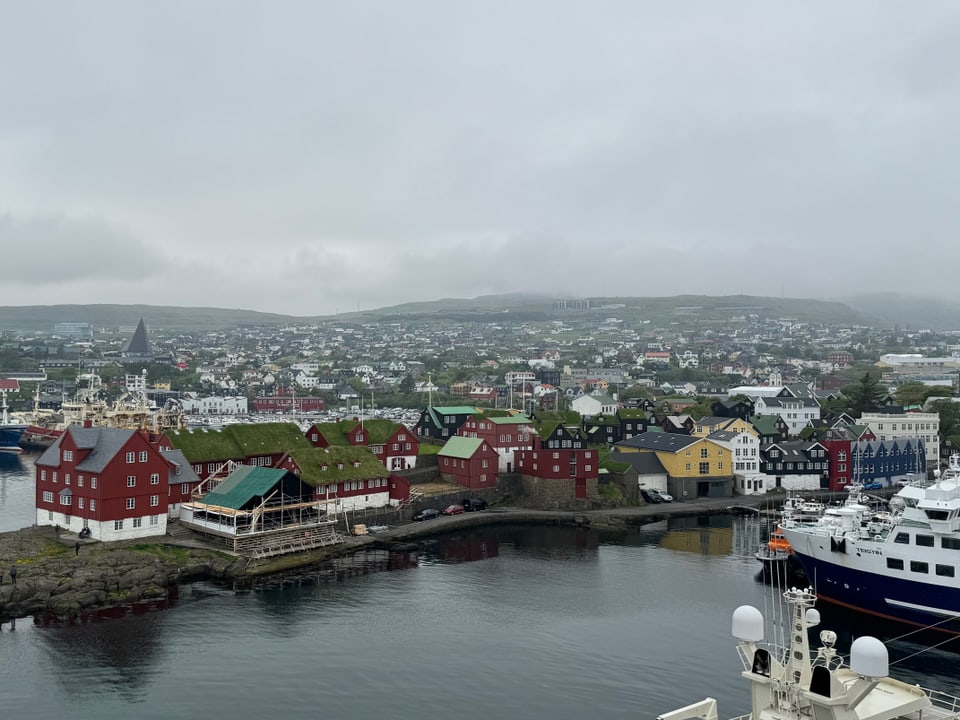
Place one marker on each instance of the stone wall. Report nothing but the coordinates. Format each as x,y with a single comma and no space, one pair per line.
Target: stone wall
543,494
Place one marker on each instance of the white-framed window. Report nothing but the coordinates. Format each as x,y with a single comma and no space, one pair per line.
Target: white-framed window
118,524
154,519
131,480
68,455
137,522
154,478
131,503
66,478
93,505
47,496
556,468
154,500
79,480
80,503
131,457
56,477
65,499
93,483
143,456
43,475
185,488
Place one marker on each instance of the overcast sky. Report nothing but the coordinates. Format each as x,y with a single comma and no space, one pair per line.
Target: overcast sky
315,157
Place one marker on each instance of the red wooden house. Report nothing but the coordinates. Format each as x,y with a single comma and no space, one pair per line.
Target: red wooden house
505,434
394,444
469,462
109,480
560,455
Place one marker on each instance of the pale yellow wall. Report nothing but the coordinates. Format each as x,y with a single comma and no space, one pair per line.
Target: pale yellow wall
720,462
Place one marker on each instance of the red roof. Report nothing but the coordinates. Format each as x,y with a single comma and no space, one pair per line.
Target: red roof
12,385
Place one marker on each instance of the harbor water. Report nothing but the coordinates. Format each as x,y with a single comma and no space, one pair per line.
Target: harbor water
531,622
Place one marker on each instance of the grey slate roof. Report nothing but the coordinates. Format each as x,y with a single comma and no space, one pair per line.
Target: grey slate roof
178,461
643,463
723,435
667,442
103,444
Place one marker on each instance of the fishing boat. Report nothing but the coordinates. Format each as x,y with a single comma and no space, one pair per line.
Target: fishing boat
10,431
904,565
790,684
775,550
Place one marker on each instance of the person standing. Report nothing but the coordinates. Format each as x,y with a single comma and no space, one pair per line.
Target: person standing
13,574
76,548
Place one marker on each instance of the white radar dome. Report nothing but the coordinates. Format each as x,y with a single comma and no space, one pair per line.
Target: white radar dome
748,623
813,617
868,656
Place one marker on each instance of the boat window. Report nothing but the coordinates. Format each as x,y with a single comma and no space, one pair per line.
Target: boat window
950,543
938,514
895,563
945,570
925,540
919,567
902,538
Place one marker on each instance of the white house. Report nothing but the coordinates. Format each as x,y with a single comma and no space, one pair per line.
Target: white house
590,405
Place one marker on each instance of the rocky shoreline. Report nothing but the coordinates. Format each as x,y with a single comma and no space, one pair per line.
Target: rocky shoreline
57,578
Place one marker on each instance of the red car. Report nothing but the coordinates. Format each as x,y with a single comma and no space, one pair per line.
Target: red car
452,510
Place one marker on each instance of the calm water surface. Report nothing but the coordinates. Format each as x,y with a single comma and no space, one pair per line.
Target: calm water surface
514,622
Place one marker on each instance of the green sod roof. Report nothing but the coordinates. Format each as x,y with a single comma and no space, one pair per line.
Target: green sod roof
461,447
238,441
379,431
311,462
242,485
333,432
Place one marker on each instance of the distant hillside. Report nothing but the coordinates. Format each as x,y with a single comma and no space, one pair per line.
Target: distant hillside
41,318
656,309
488,308
907,312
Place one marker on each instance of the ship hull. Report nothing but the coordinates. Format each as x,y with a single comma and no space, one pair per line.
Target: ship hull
38,438
10,437
855,576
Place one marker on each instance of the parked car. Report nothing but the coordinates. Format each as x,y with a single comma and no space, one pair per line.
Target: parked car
474,505
651,498
453,510
427,514
664,497
873,486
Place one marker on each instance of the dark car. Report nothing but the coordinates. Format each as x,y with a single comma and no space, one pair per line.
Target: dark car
452,510
427,514
474,505
651,498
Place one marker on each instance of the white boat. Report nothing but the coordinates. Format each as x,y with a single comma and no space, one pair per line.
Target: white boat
789,684
903,565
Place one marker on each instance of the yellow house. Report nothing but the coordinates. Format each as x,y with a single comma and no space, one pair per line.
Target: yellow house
696,467
707,425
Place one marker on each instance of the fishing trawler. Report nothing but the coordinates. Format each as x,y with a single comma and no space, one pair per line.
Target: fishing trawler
789,684
904,566
10,431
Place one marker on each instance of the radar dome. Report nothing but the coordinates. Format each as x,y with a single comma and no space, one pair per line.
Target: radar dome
748,623
869,657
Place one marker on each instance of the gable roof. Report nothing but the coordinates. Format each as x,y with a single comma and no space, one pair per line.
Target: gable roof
461,447
242,485
643,463
664,442
237,441
311,461
103,443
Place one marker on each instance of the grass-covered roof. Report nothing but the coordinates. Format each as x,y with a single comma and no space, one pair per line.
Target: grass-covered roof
359,463
238,441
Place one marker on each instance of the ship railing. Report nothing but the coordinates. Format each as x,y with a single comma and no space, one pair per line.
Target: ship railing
748,716
943,701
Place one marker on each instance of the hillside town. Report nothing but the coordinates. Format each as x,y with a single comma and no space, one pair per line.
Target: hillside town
271,439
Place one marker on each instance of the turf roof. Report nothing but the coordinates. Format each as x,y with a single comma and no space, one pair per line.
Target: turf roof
311,461
238,441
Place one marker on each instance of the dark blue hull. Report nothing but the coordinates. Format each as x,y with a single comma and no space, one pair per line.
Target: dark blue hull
898,599
10,437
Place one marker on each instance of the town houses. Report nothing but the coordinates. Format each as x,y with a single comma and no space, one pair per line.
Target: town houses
545,411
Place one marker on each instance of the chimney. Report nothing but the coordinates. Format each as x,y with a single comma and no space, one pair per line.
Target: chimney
88,422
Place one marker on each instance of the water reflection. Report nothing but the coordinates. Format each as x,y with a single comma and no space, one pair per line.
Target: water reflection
119,649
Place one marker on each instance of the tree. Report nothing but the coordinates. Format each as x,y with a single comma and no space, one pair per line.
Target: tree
911,393
864,396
